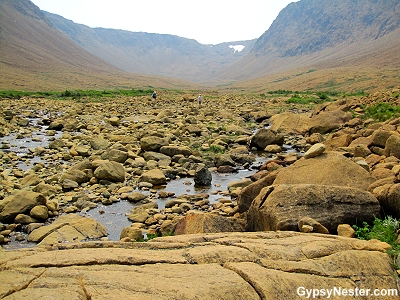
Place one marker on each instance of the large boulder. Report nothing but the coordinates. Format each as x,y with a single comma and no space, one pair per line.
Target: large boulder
290,123
172,150
155,177
19,203
111,171
68,228
388,196
392,146
327,121
203,176
331,168
249,193
206,223
152,143
265,137
281,207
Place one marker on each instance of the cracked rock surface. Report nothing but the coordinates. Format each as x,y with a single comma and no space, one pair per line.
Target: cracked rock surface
258,265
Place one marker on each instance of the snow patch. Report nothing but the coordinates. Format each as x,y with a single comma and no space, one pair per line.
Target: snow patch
237,48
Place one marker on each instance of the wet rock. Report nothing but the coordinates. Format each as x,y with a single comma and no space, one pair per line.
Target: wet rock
140,213
155,177
111,171
203,176
136,197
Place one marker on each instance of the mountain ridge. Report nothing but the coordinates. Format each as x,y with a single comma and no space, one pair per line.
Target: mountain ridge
152,53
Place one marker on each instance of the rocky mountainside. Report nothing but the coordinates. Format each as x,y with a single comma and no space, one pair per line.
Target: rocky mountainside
36,55
150,53
325,36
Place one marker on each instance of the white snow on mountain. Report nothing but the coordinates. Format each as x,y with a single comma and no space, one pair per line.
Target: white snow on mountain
237,48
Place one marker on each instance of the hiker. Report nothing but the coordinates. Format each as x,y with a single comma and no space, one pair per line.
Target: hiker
199,99
154,95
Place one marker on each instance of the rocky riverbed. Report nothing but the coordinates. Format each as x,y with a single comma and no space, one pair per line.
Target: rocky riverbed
174,167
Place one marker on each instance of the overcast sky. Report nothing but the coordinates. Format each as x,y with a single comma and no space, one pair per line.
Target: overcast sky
207,21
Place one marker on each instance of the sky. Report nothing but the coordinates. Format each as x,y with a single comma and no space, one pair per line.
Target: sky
207,21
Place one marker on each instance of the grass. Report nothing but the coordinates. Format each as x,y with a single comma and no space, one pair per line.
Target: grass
76,94
384,230
308,99
382,111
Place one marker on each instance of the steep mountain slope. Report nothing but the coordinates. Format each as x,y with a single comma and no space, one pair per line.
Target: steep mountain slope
315,38
37,56
149,53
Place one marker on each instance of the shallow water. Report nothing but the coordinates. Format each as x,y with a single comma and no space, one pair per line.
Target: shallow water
114,217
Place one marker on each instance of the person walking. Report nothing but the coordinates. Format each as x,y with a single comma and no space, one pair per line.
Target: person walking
199,99
154,95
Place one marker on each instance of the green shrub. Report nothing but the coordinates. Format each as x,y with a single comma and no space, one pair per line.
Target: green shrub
382,111
217,149
384,230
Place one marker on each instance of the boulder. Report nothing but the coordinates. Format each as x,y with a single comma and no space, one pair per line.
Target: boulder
139,214
155,177
136,197
281,207
39,212
290,123
315,150
117,155
345,230
75,175
327,121
392,147
315,226
134,234
152,143
111,171
330,168
68,228
388,196
265,137
202,176
30,180
206,223
99,143
172,150
223,160
249,193
19,203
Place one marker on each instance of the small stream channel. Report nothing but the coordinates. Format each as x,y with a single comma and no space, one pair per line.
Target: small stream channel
114,217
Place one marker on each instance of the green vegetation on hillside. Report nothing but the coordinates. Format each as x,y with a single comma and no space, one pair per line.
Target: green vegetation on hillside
76,94
383,230
382,111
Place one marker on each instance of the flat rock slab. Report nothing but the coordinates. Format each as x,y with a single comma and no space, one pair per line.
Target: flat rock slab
258,265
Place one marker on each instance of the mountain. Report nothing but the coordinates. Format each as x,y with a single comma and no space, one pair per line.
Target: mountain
150,53
324,43
35,55
344,45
